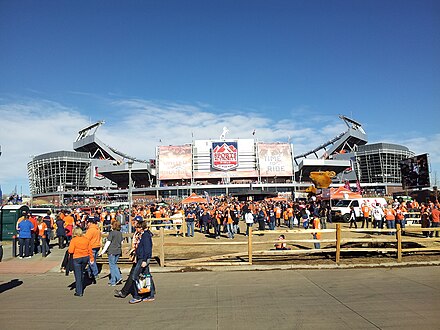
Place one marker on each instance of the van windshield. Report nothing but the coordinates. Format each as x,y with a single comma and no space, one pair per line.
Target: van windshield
343,203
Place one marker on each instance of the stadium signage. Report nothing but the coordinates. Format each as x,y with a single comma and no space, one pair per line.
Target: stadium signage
224,155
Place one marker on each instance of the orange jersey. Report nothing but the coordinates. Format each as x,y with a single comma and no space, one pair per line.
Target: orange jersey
41,229
366,211
390,214
69,220
435,215
317,225
35,223
400,215
80,247
93,234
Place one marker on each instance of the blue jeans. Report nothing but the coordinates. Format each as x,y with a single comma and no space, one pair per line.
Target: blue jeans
272,224
190,228
43,248
124,228
247,228
93,268
235,228
115,274
230,230
25,246
138,270
391,224
79,266
316,245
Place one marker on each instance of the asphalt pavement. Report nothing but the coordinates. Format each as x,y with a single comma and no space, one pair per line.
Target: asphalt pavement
34,295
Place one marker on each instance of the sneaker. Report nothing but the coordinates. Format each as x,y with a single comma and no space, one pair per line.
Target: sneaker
134,301
119,294
28,257
20,257
148,299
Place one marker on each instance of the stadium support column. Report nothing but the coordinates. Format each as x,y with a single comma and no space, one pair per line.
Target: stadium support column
130,194
257,162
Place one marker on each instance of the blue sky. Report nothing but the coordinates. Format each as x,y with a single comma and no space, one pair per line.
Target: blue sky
169,69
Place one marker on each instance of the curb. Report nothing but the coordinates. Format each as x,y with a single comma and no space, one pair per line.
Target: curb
186,269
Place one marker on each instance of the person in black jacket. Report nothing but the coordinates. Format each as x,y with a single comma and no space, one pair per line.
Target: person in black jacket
61,233
143,256
141,264
205,219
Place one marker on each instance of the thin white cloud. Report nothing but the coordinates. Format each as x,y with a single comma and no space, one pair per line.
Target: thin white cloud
31,128
37,126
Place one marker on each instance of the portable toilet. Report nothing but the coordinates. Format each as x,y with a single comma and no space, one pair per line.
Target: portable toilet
9,214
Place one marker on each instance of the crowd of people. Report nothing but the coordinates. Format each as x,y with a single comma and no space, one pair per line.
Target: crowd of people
81,229
396,213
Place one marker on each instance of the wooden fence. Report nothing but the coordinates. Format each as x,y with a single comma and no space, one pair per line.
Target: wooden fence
335,245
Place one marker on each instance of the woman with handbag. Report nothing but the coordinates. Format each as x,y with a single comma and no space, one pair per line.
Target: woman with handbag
140,261
143,256
82,253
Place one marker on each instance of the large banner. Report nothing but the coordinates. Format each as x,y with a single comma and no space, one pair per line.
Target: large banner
224,155
275,159
175,162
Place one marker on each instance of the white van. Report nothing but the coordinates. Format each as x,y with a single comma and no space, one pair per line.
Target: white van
341,210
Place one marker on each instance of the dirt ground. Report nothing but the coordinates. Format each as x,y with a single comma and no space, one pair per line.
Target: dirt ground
264,241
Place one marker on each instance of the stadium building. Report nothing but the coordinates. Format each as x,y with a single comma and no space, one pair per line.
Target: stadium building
221,166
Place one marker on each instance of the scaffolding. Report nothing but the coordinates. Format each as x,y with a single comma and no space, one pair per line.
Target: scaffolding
379,162
58,172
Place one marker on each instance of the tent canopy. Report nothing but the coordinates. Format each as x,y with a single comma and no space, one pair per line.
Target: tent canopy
343,193
277,199
193,198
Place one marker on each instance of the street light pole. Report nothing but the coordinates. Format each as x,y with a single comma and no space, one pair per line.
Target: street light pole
130,196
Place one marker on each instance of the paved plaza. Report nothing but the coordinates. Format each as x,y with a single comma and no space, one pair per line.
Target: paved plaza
34,296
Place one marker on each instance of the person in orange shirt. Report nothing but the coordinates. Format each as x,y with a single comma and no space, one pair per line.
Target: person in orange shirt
400,216
81,249
316,225
69,220
366,215
290,216
390,217
34,233
435,217
43,247
277,210
93,234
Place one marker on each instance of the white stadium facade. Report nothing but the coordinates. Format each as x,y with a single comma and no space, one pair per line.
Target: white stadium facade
223,166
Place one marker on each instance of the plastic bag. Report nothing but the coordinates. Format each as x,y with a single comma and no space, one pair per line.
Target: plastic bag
143,283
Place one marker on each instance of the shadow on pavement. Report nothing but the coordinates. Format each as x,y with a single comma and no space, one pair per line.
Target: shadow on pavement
10,285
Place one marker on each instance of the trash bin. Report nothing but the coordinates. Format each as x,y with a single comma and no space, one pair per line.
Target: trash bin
9,214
